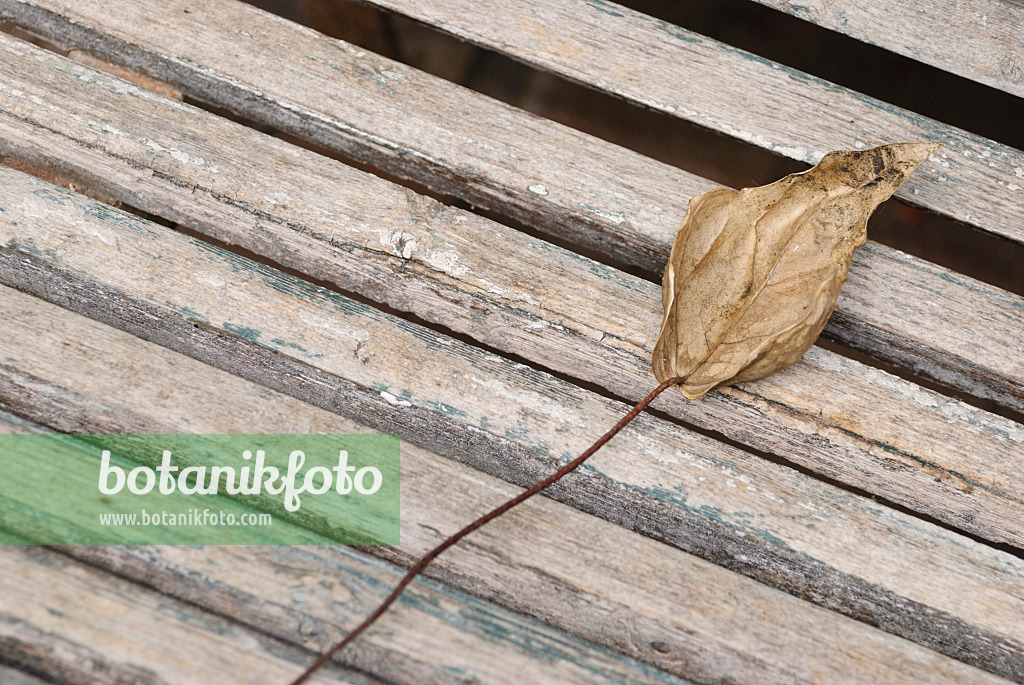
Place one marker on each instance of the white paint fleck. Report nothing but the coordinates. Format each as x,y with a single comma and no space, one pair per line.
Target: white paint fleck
332,325
1013,186
399,242
1019,172
446,261
617,218
36,207
538,189
209,278
181,156
508,293
394,401
107,128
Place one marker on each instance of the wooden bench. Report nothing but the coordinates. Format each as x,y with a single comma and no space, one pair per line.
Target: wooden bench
833,523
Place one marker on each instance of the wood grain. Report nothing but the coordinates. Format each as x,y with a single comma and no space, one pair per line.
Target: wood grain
681,614
515,423
686,75
439,635
557,180
10,676
72,624
980,40
887,436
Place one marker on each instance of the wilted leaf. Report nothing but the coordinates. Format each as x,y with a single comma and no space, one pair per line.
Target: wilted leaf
754,274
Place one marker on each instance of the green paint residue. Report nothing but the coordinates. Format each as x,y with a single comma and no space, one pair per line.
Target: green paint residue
677,32
604,10
250,334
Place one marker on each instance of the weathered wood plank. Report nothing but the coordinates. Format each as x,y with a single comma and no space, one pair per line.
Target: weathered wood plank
10,676
604,583
550,306
766,521
72,624
11,424
439,636
980,40
558,180
882,433
686,75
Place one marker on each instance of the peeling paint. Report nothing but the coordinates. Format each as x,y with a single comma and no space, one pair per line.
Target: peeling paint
617,218
394,401
400,243
181,156
446,261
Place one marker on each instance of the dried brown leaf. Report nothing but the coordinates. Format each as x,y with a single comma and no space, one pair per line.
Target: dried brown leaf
754,274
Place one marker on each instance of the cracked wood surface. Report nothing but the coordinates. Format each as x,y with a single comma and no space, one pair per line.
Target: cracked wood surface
980,40
895,307
683,74
691,558
309,343
605,583
934,454
70,623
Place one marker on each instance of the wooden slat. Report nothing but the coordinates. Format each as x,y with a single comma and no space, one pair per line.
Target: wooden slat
604,583
686,75
11,424
769,522
72,624
438,635
561,311
10,676
579,188
982,40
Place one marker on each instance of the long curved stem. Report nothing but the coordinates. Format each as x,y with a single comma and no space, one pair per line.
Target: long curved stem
418,567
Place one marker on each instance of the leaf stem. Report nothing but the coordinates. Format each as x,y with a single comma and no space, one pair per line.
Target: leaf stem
418,567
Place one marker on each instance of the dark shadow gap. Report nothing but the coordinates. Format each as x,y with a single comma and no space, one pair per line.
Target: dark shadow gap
838,348
899,216
877,221
599,390
836,57
982,403
466,339
670,140
568,378
961,248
